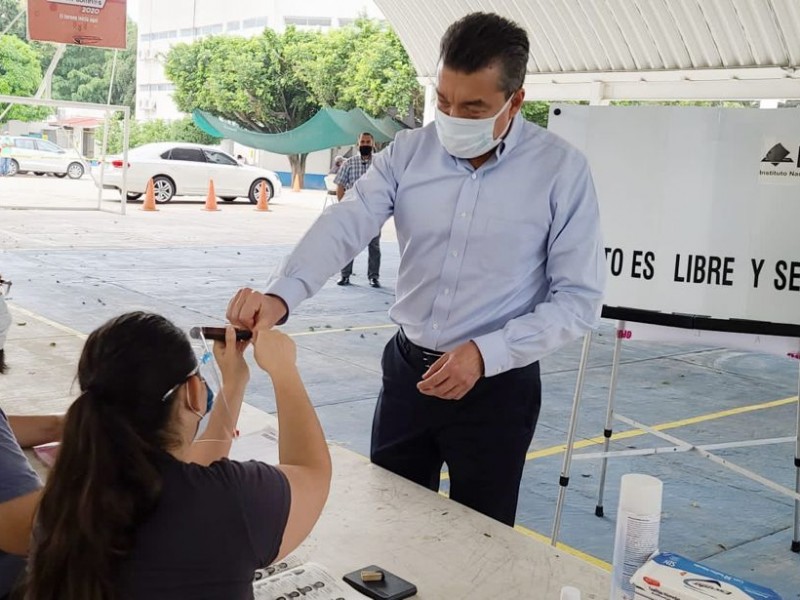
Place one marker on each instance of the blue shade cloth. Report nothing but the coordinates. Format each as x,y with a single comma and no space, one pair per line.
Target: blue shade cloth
509,255
329,128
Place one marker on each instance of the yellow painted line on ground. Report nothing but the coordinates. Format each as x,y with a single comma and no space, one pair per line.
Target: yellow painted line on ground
46,321
539,537
592,560
631,433
325,330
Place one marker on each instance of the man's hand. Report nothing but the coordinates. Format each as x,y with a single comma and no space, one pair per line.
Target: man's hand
454,374
253,310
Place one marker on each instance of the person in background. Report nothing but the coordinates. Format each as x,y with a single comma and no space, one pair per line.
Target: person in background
139,506
501,263
5,162
350,172
5,323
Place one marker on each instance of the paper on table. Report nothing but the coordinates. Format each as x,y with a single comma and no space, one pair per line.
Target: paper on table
309,581
261,445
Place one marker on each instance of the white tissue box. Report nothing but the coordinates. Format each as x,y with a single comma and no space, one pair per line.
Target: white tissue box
668,576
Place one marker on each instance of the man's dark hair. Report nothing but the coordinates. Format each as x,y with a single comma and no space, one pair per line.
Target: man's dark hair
481,39
367,133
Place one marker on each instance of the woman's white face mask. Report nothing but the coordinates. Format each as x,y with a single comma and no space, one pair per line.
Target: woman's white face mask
469,138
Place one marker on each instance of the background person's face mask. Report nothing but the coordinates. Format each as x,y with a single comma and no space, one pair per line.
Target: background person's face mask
469,138
365,151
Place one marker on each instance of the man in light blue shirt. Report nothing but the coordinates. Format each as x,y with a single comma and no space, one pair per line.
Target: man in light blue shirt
501,264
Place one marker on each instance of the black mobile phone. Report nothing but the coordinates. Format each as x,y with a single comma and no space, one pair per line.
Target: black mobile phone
218,333
391,587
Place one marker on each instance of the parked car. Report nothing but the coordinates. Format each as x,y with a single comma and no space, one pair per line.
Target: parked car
179,169
42,156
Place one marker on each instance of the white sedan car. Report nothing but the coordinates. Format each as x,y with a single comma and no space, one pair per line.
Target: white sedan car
41,156
179,169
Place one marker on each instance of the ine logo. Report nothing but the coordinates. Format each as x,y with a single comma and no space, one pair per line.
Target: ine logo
707,587
776,155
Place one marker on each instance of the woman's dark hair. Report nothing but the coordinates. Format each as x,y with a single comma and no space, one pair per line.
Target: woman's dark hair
106,479
3,365
481,39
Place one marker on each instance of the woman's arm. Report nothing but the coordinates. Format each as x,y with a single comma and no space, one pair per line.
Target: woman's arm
303,452
215,442
35,430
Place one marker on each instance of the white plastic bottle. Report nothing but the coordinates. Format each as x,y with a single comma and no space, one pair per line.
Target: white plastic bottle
570,593
638,528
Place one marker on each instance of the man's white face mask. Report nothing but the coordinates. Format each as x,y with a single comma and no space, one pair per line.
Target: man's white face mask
469,138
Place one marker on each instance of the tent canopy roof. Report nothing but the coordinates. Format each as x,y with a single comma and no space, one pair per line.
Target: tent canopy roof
630,49
328,128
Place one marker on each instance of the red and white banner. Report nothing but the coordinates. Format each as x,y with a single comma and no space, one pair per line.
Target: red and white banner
99,23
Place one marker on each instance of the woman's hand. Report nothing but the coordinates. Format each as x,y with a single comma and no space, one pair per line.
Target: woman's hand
230,358
275,352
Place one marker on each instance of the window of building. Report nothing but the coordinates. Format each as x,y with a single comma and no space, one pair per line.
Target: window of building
210,29
345,21
159,35
233,26
186,32
255,22
308,21
157,87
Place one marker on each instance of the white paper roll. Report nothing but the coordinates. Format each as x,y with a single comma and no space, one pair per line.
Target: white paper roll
638,527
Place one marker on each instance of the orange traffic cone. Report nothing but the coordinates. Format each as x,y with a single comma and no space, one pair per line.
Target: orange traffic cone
263,199
149,197
211,200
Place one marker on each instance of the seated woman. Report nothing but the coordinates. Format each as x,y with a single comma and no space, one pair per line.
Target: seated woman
20,487
136,508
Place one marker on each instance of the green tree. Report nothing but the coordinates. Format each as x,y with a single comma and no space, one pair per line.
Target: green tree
536,111
363,65
84,74
20,75
9,9
273,83
246,81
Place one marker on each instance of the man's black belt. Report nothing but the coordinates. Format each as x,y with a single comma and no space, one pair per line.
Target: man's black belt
417,353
